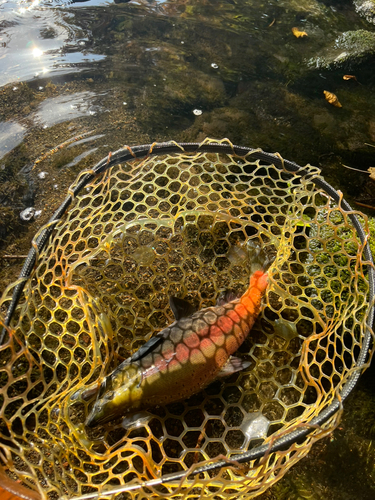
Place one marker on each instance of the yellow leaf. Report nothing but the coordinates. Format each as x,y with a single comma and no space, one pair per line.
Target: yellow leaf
297,33
349,77
371,171
332,99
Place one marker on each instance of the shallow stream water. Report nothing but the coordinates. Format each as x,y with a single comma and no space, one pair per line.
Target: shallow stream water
93,76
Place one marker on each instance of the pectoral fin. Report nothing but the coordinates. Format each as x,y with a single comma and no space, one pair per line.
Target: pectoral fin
136,419
146,348
181,308
233,365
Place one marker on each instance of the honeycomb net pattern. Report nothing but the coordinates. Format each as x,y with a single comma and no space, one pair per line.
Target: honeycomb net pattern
180,225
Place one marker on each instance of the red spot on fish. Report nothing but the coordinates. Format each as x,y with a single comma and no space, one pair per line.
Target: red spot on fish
197,357
174,364
208,347
225,323
182,353
261,280
231,344
161,364
241,310
221,357
169,353
192,340
237,332
248,304
216,335
233,316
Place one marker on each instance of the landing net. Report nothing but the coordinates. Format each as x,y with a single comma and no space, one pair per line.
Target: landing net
167,220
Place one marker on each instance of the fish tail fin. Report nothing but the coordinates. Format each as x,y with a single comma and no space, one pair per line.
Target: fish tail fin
259,259
260,262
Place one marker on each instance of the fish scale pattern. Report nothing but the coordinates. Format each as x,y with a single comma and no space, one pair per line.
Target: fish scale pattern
179,225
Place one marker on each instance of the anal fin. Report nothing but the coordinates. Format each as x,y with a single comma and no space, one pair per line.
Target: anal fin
233,365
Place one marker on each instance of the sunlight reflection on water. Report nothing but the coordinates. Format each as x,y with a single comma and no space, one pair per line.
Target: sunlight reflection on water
39,41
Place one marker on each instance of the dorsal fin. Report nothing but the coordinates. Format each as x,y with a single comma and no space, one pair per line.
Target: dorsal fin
181,308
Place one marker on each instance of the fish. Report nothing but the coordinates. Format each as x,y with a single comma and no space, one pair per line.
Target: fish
184,357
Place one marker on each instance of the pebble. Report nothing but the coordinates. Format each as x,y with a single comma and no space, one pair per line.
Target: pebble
27,214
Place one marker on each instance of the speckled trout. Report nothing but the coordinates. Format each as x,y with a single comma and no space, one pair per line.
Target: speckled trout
183,358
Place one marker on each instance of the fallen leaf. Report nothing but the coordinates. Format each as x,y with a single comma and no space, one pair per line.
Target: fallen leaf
298,34
349,77
371,171
332,99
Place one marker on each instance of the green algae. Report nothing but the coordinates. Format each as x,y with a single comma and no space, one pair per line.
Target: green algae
371,225
349,50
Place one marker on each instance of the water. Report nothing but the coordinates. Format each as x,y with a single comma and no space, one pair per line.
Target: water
138,72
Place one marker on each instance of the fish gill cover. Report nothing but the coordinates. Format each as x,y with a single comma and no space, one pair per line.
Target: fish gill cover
182,225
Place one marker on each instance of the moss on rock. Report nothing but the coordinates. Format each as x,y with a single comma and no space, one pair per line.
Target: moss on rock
366,9
348,50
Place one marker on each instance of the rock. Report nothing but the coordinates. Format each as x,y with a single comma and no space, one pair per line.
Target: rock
348,50
366,9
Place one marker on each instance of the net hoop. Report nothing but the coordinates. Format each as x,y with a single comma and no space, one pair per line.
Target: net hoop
127,154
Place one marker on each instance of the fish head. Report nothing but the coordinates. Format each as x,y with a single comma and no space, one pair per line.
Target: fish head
119,392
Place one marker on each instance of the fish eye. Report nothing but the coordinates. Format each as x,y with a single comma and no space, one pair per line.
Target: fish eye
109,396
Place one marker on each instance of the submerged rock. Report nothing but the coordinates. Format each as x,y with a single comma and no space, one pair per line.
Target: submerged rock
348,50
366,9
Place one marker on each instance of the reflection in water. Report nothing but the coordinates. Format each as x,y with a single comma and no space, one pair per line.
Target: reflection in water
80,157
39,41
11,134
65,107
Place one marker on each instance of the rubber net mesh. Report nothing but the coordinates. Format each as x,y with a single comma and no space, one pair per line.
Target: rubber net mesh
180,225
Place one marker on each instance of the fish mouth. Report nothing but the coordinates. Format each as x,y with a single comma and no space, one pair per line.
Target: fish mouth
101,414
92,421
96,416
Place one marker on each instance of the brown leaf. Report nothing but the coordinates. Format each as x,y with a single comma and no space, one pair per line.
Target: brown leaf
298,34
349,77
332,99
